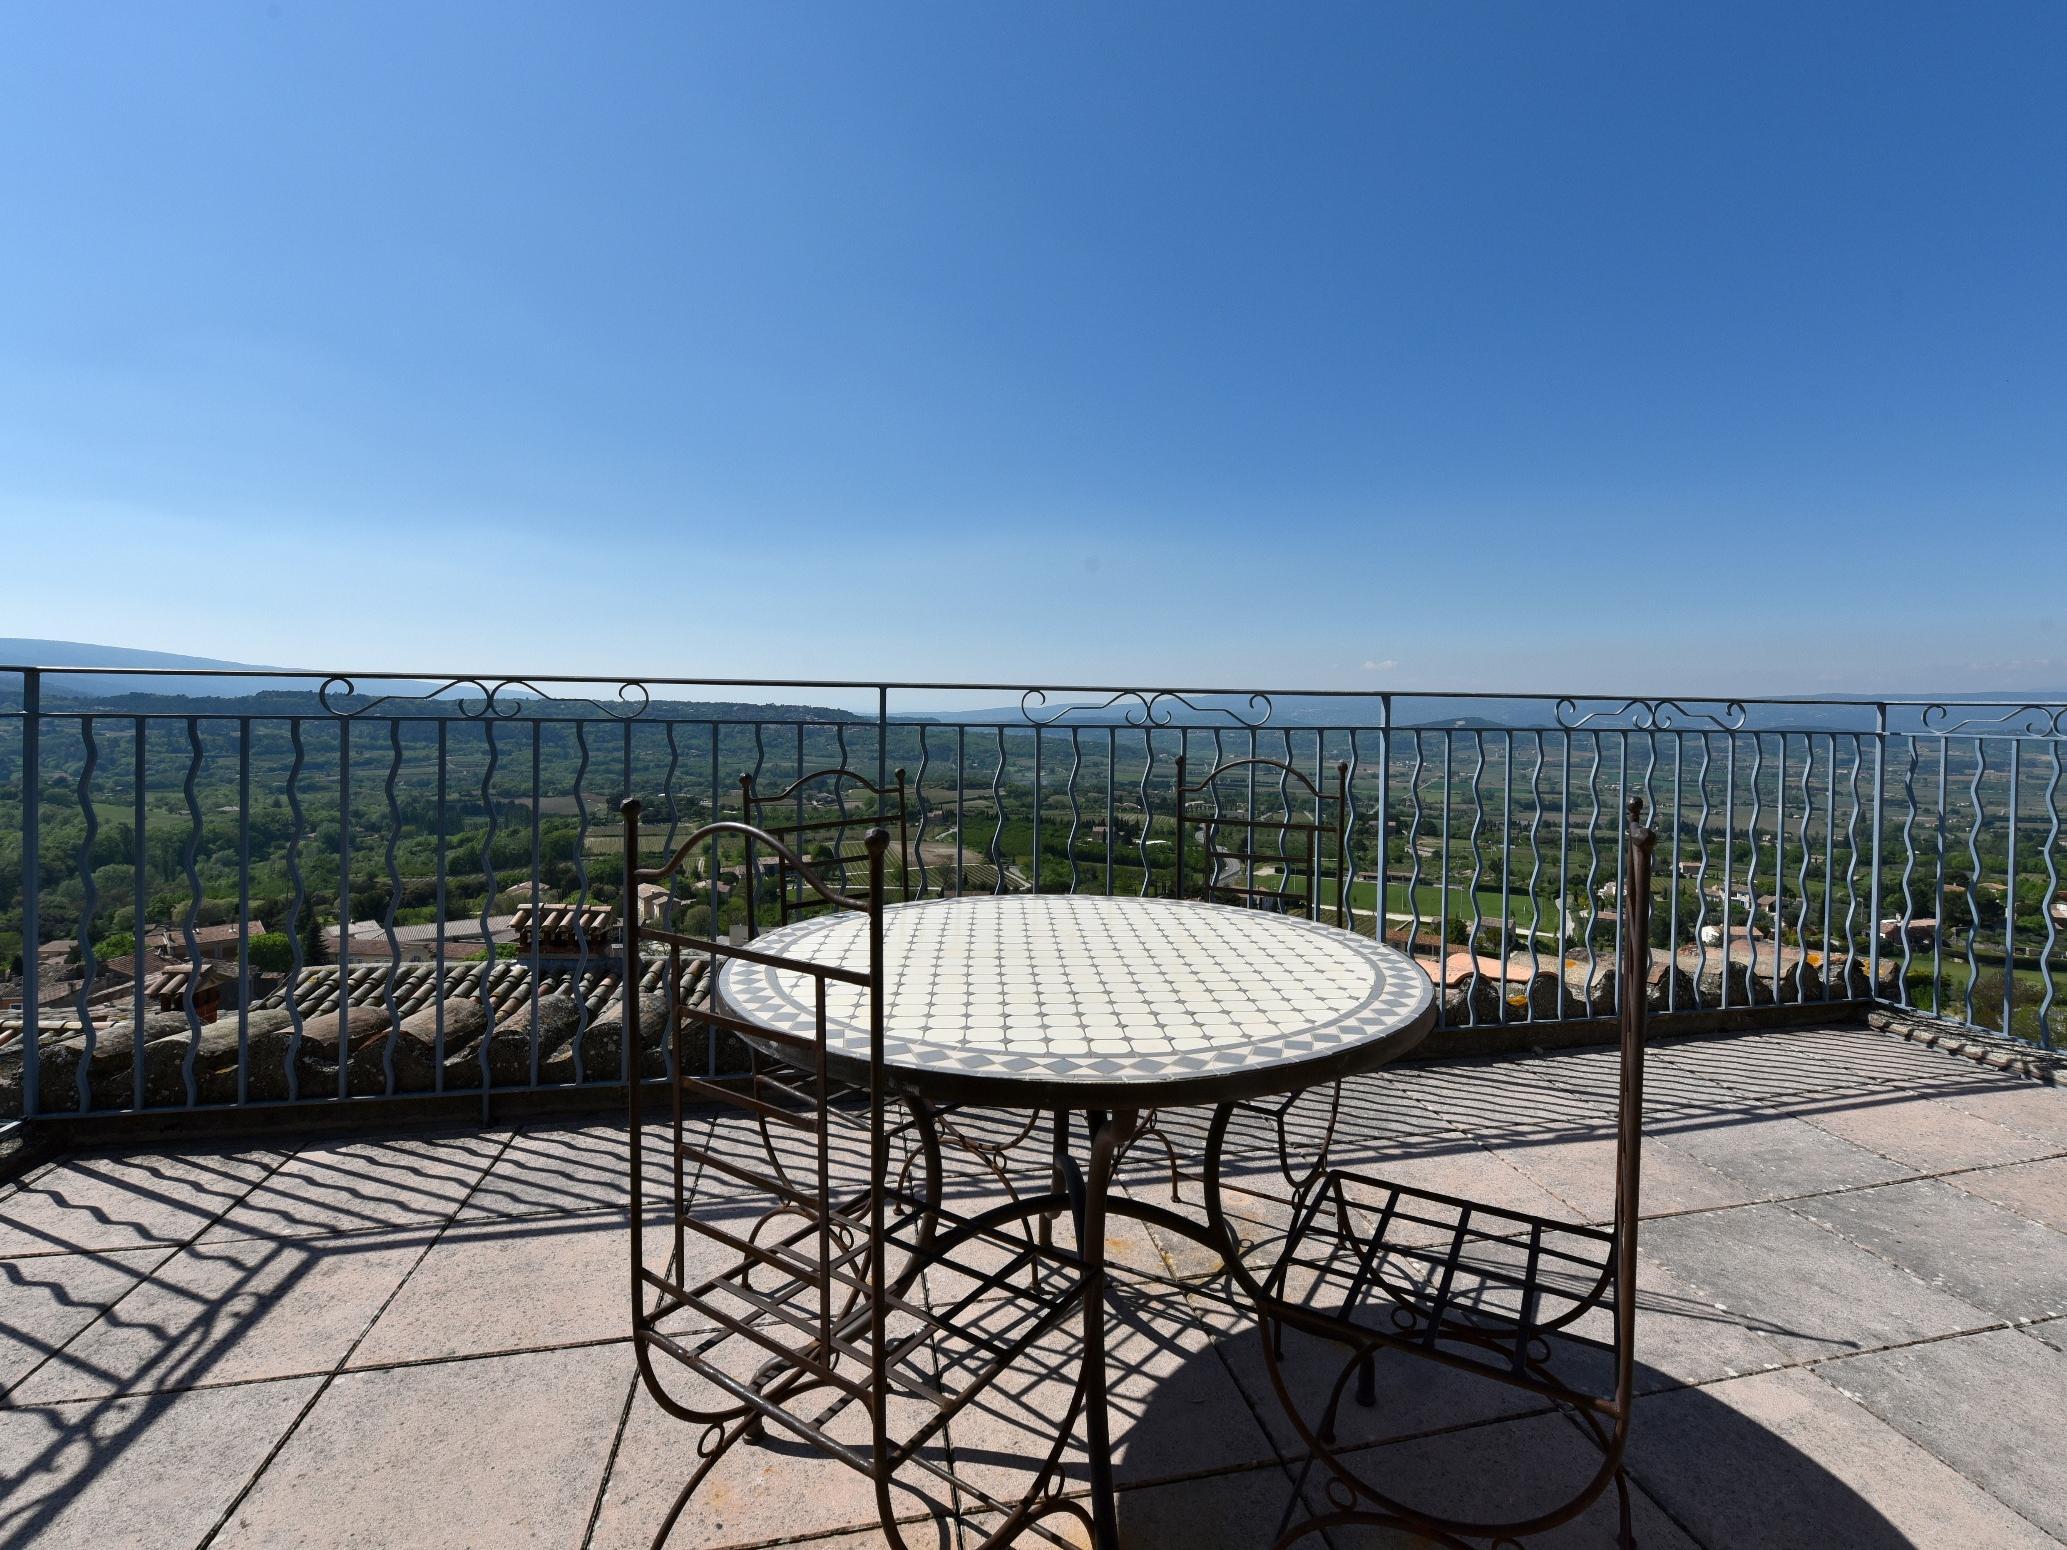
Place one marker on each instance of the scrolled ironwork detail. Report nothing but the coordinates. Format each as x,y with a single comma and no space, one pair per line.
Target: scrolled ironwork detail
634,699
2029,720
1148,708
1639,715
337,688
1034,700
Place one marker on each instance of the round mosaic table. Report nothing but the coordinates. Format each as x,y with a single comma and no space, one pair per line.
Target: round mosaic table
1108,1007
1080,1002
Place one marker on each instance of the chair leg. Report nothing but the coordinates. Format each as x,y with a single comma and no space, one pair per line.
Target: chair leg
1342,1520
718,1439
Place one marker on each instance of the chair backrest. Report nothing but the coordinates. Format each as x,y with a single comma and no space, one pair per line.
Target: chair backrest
800,835
1229,873
1632,989
810,1265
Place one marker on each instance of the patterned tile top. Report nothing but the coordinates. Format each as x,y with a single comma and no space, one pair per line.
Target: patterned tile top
1073,988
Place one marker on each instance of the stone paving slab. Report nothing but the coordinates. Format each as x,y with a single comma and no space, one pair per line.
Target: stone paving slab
1175,1407
92,1203
488,1286
1756,1068
1989,1257
2036,1190
1243,1509
231,1312
2035,1111
1582,1174
1973,1402
564,1168
777,1489
152,1471
45,1299
1777,1156
348,1186
1926,1137
1785,1460
506,1451
1413,1397
1808,1291
1506,1472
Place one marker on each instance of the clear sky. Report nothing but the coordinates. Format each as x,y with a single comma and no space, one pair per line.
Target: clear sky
1438,346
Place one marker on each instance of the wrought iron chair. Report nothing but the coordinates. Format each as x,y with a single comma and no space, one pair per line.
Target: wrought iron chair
1370,1265
990,1141
1293,786
790,1295
803,834
1299,854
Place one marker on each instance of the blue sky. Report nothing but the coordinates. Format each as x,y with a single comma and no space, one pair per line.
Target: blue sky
1437,346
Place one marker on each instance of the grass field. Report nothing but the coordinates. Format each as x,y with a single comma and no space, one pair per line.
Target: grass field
1429,898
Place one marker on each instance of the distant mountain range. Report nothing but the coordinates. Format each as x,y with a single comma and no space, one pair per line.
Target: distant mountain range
102,685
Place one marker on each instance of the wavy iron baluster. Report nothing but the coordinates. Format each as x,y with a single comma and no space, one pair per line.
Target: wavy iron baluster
997,798
925,811
1536,872
139,932
1801,908
301,903
579,985
1593,880
1701,873
2050,914
1345,861
1751,895
1474,940
89,911
494,755
1852,867
1908,869
1148,759
190,860
1414,774
1076,761
387,919
1974,874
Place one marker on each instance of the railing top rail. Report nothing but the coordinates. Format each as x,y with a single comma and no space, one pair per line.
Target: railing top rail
422,681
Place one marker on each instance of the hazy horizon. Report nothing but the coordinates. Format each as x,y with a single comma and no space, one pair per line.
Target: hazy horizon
1508,349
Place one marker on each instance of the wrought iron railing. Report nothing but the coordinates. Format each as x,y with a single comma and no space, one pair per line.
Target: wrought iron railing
340,890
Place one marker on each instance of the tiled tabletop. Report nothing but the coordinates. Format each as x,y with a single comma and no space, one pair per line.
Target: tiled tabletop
1036,990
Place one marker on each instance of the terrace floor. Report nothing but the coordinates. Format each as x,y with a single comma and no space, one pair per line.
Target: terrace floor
1855,1267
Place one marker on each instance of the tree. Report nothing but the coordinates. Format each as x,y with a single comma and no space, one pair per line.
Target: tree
311,936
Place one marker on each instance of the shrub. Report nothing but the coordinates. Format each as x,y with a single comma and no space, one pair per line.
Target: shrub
272,952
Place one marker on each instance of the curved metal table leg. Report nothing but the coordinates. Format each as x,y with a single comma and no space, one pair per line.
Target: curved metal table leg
1085,1195
1108,1139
